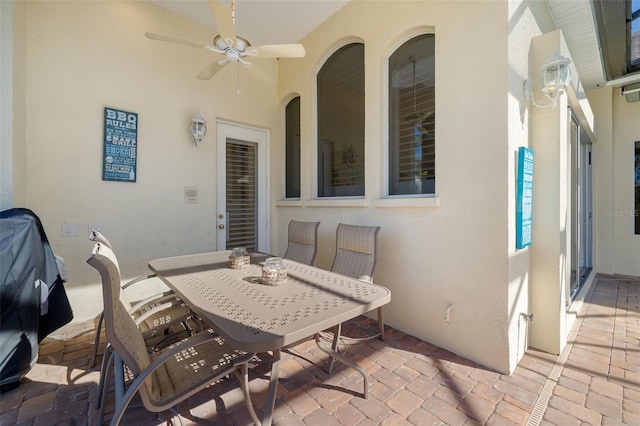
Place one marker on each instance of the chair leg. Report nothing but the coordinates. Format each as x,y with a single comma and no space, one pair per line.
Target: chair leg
118,377
334,347
243,378
104,368
381,323
102,390
346,361
96,341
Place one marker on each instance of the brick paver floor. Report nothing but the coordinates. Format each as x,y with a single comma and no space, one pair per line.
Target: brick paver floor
596,380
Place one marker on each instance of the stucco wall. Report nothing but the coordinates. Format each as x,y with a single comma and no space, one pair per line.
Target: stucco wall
12,109
602,170
454,250
626,130
83,56
618,127
451,250
526,20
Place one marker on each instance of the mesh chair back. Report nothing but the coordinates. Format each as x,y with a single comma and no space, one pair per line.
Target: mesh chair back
99,238
356,251
122,332
303,242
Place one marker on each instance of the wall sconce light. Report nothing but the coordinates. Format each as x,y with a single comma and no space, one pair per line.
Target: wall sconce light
555,76
198,129
631,92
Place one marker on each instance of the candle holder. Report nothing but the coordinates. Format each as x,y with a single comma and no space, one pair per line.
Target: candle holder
274,272
239,258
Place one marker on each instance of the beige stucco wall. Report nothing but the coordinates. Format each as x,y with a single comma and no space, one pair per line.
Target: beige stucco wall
12,109
83,56
602,170
626,130
453,250
617,128
526,20
456,250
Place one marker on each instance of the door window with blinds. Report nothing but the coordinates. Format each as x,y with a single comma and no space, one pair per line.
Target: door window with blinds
412,116
292,148
242,195
341,123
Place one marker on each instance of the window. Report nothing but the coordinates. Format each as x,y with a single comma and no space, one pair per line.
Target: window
412,115
634,37
292,149
341,123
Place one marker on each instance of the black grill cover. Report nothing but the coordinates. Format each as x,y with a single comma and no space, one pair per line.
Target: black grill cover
25,259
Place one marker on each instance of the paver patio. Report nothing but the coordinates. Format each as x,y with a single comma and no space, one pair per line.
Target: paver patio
596,380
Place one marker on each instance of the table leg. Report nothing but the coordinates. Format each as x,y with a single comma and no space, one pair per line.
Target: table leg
273,389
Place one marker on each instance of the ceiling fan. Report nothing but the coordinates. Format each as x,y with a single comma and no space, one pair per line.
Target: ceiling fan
231,46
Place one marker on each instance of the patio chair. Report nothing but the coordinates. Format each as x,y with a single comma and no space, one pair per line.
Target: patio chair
162,379
356,257
147,311
155,316
303,242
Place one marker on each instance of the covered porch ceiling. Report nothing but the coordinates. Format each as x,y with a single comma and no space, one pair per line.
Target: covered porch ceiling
596,31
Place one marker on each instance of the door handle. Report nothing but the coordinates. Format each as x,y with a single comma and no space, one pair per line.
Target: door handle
221,226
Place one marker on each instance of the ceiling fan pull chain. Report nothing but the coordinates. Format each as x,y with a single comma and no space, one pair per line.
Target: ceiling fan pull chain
233,12
238,78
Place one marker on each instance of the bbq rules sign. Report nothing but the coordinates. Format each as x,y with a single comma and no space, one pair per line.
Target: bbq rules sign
120,145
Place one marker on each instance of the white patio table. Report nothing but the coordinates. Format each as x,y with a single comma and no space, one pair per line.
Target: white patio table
255,317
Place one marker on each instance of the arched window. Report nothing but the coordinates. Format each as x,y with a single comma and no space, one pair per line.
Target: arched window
412,114
292,148
341,123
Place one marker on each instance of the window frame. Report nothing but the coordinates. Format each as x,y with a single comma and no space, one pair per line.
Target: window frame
404,200
285,149
335,200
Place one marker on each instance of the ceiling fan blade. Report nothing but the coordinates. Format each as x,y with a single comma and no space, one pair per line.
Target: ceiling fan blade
279,51
209,71
223,19
184,42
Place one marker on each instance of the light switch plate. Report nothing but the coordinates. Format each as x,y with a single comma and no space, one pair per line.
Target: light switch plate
191,194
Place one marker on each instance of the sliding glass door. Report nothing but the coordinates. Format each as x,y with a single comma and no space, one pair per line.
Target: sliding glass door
581,207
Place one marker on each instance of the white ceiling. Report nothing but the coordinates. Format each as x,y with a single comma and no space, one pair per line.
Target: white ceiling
262,21
288,21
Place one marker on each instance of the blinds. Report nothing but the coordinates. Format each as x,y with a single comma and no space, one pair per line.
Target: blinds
292,140
242,196
412,117
341,123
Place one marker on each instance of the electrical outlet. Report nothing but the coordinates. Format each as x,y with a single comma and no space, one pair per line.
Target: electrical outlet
69,230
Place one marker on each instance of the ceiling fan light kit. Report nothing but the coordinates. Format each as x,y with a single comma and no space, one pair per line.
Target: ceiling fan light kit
227,43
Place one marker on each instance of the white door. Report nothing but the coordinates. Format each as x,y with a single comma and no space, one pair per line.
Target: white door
242,187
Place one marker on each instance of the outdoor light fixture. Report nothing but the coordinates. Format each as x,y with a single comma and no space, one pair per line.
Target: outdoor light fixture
631,92
198,129
555,76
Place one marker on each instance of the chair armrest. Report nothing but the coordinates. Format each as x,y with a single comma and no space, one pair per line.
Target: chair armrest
137,280
150,312
156,299
169,352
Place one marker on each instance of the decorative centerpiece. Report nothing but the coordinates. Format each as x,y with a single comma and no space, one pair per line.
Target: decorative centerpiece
274,272
239,258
